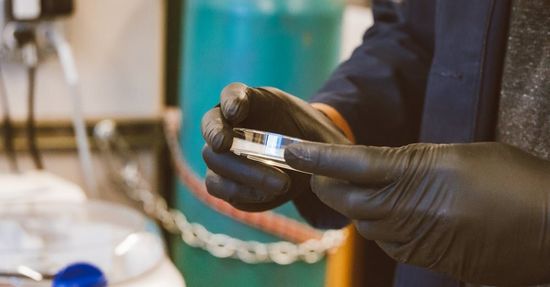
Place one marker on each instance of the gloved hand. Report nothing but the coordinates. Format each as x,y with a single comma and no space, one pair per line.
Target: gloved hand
250,185
479,212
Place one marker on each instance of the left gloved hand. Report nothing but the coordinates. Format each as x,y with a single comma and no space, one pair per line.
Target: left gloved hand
479,212
253,186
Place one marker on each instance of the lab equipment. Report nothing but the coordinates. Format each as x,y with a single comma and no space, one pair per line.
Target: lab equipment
30,34
67,61
264,147
37,186
38,238
19,22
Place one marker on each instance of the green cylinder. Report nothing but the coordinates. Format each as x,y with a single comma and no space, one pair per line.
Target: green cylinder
289,44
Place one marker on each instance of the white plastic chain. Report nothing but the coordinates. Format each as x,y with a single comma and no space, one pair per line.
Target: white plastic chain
196,235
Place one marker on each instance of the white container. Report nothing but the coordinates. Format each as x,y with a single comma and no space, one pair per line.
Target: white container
46,237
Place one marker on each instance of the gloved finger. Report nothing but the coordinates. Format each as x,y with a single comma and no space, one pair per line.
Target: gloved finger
353,201
381,230
239,195
235,103
373,166
217,133
270,180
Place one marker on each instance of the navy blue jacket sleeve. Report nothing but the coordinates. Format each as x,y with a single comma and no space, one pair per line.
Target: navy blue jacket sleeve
380,89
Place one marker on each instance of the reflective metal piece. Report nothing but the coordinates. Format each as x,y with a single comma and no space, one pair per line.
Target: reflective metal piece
264,147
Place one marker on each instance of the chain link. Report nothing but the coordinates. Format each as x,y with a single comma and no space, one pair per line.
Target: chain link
224,246
217,244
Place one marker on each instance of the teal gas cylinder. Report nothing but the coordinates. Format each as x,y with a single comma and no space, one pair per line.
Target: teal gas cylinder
289,44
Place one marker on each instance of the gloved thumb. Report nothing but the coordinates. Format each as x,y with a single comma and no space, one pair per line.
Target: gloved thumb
366,165
234,102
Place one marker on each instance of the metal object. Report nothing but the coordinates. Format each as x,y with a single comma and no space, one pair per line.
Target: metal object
264,147
222,245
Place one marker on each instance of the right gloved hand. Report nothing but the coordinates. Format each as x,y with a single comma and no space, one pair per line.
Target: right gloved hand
250,185
478,212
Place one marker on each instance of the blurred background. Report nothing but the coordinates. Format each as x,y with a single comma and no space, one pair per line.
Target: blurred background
101,102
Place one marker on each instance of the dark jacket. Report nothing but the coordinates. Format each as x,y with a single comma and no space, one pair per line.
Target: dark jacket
427,71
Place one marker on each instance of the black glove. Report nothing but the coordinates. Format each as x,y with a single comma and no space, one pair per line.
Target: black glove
253,186
479,212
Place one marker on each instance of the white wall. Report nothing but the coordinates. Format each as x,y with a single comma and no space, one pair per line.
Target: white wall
355,22
119,52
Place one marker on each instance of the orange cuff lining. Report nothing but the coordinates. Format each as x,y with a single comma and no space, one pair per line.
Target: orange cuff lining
336,118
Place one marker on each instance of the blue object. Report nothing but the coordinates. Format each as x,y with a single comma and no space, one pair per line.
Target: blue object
79,275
